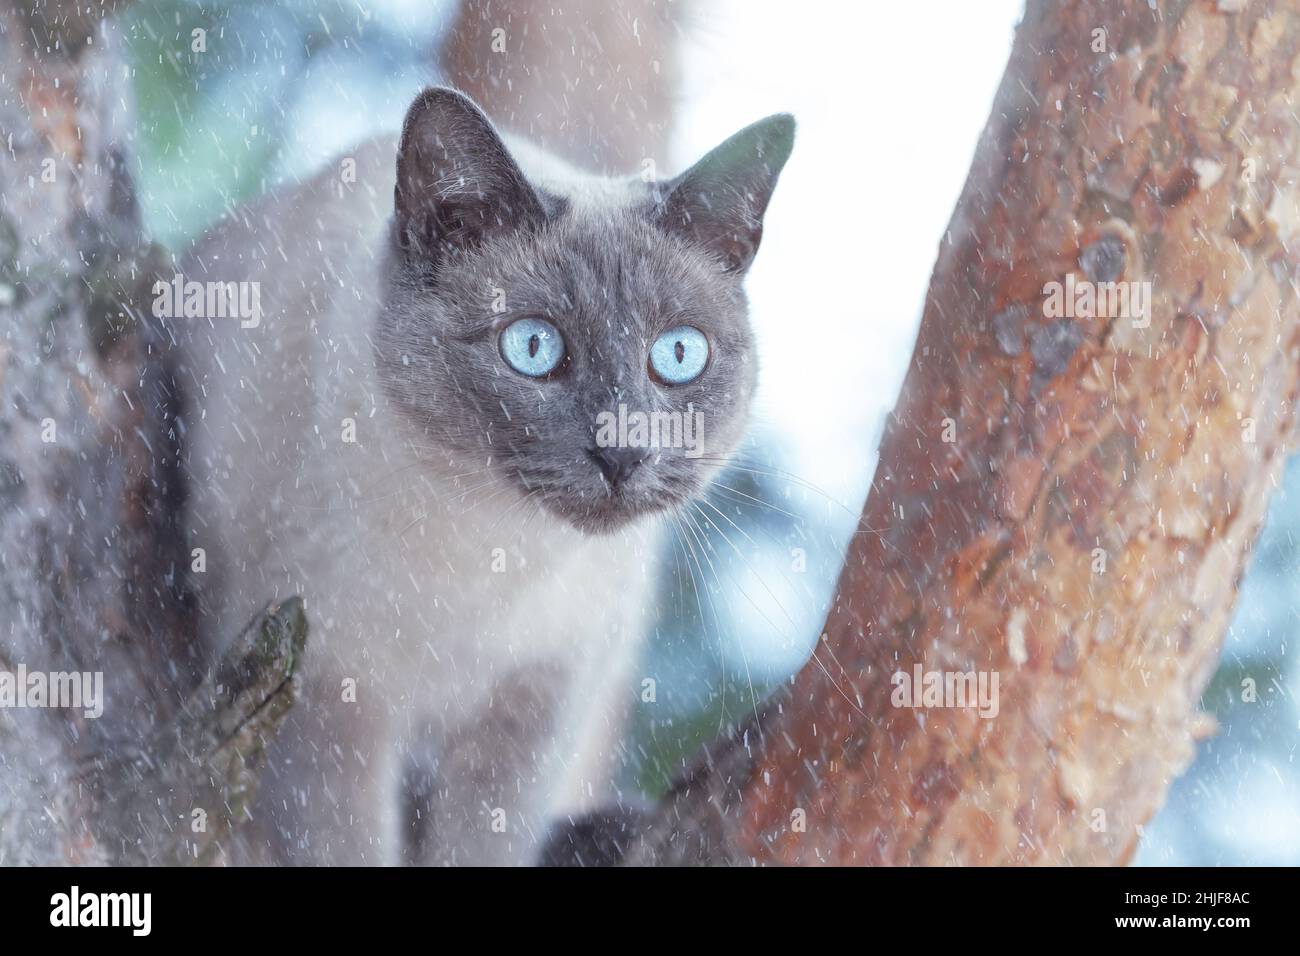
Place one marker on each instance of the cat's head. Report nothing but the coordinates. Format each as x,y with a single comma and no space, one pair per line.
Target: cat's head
585,340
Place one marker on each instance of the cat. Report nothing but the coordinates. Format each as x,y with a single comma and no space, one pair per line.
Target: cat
407,437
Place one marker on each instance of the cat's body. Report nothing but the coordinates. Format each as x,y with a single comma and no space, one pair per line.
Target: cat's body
473,643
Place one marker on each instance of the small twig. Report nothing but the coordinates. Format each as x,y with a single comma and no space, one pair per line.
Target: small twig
182,794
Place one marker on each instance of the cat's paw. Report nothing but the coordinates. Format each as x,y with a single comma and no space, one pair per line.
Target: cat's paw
599,838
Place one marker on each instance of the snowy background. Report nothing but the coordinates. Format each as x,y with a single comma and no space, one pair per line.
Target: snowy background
886,132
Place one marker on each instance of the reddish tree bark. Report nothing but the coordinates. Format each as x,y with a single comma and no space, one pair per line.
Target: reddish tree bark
588,80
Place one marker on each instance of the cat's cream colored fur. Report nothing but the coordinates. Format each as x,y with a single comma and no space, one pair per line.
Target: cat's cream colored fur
491,645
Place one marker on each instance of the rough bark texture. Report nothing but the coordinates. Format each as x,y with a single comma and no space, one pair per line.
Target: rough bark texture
589,80
1083,533
92,562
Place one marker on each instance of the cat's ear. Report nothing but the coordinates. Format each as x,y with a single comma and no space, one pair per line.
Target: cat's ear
719,202
456,181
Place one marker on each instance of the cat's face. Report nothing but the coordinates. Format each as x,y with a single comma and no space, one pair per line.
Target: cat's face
593,352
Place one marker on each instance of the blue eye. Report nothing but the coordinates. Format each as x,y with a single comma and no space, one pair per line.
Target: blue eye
532,347
679,355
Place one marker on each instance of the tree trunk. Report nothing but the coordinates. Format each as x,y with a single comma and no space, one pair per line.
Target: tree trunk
588,80
92,559
1065,501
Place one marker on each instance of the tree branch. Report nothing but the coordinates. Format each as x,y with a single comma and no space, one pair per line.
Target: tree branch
93,556
179,797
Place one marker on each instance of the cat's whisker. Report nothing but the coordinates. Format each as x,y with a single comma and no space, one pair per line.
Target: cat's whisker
704,500
813,656
758,501
762,472
496,479
749,566
679,597
695,588
795,479
539,506
524,499
392,474
703,550
744,654
759,527
499,487
422,517
403,486
834,683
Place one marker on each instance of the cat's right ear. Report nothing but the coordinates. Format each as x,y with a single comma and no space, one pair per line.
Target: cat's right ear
457,184
719,203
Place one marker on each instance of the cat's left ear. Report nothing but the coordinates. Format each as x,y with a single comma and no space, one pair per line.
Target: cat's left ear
456,181
719,202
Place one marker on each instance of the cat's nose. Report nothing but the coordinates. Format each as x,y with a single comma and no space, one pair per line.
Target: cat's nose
617,464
